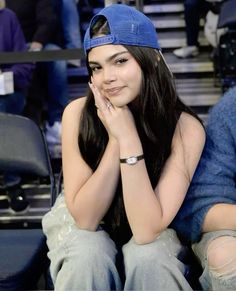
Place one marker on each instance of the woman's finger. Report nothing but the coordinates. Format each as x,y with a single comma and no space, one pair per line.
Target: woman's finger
100,102
109,105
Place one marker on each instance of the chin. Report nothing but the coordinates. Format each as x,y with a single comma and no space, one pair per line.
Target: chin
120,103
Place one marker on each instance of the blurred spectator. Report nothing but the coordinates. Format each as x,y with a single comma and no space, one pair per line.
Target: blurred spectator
193,9
67,11
41,27
211,30
12,40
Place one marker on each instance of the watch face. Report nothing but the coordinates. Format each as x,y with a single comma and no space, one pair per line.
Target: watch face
132,160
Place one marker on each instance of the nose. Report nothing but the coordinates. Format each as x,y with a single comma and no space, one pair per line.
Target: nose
109,74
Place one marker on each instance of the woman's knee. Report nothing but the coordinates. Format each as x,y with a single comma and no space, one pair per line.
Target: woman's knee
153,266
89,245
140,256
82,252
88,258
221,256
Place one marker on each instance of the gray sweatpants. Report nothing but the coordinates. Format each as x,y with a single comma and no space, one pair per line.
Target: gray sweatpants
86,260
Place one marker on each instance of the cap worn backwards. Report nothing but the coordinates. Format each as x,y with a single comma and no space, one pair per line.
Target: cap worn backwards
127,26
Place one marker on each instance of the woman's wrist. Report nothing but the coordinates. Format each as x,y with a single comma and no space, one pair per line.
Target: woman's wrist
113,146
130,147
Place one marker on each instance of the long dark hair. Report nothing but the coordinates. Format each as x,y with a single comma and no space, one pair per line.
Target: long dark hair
156,112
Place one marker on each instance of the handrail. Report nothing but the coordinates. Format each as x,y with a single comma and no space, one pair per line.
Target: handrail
41,56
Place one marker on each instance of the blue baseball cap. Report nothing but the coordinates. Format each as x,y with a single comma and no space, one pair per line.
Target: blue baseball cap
128,26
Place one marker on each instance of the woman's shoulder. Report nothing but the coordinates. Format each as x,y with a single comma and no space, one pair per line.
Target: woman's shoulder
71,122
188,122
190,129
74,108
188,142
71,116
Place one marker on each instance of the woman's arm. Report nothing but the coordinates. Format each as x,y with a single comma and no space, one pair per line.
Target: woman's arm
149,210
88,195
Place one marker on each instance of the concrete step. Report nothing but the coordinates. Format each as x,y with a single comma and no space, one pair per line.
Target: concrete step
200,92
201,63
169,22
175,39
163,8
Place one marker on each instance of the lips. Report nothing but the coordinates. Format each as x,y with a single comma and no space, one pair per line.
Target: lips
113,91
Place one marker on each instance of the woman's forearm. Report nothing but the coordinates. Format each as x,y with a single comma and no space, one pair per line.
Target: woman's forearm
141,204
95,196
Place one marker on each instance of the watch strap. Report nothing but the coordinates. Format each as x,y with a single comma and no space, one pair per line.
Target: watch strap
132,160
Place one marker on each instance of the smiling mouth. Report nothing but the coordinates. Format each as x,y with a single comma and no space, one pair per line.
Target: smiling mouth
114,91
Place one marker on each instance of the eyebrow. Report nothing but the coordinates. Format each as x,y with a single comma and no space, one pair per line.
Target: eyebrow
110,58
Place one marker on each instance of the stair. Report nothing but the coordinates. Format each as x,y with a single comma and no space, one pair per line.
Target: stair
195,85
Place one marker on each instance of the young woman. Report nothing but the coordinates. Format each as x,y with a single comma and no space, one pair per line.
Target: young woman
130,149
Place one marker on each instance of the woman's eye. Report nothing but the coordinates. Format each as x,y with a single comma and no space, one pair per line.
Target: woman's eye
121,61
94,69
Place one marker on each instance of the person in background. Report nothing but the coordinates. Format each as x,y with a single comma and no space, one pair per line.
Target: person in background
129,151
42,30
67,10
12,40
193,9
70,23
207,217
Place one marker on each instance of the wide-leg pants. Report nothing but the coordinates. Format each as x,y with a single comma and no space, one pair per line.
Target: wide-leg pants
86,260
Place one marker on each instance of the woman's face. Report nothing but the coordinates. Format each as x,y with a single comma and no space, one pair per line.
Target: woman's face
115,73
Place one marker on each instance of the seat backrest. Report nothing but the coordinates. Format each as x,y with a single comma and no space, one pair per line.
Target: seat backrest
23,148
227,16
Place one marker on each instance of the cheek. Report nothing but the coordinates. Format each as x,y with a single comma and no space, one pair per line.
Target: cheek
96,80
136,78
132,73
